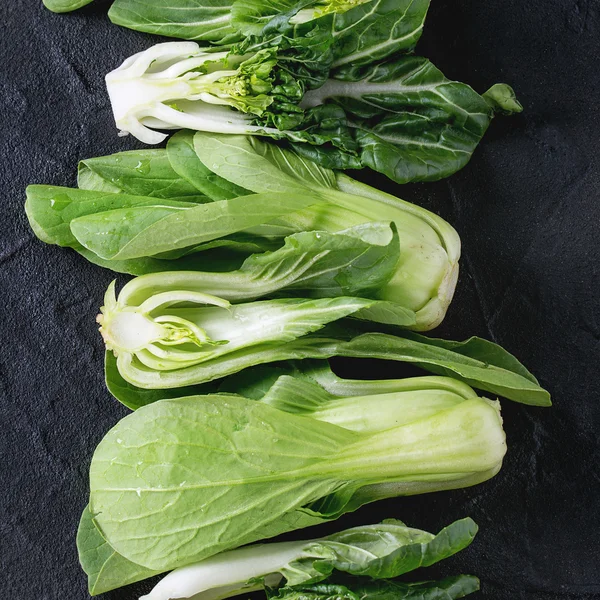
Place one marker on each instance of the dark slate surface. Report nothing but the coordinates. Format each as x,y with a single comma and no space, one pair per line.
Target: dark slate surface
527,208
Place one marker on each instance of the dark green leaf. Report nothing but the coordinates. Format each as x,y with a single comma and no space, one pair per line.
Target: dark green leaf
65,6
411,123
375,30
202,20
447,589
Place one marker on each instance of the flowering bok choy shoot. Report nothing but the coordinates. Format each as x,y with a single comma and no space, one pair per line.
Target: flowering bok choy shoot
202,462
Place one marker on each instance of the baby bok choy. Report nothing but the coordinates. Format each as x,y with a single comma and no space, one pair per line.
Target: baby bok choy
177,329
381,551
357,261
160,337
401,117
362,30
208,196
180,480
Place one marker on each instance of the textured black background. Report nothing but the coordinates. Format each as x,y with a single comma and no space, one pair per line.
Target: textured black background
527,208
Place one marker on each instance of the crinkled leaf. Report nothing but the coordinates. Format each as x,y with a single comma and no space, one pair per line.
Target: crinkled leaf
375,30
382,551
411,122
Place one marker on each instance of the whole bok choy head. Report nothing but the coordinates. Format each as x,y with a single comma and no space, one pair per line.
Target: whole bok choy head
187,206
401,117
159,337
381,551
227,470
363,30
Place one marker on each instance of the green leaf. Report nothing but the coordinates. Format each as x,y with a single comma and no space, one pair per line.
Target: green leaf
495,373
172,482
375,30
51,209
65,6
221,258
255,382
250,18
258,165
139,173
447,589
503,99
202,20
412,123
106,569
150,230
479,363
382,551
297,396
319,264
134,397
185,161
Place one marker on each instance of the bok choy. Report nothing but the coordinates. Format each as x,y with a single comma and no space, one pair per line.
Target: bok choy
382,551
173,338
229,470
159,210
401,117
177,329
362,29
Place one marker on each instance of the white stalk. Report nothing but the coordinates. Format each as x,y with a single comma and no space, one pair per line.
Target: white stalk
227,574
